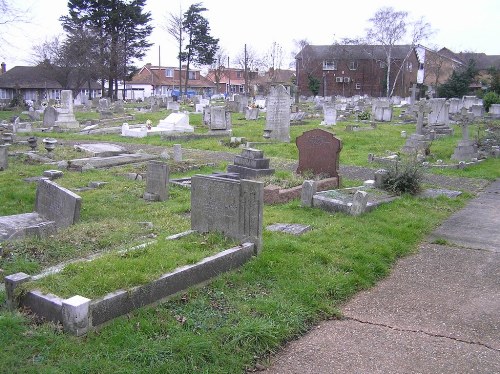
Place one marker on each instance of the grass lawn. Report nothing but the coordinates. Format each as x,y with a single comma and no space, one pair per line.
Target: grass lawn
235,320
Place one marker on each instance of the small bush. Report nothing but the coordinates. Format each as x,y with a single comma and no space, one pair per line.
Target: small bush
403,177
490,98
364,116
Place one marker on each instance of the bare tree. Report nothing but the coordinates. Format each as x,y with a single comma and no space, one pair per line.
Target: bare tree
175,29
218,67
250,62
390,27
10,17
273,60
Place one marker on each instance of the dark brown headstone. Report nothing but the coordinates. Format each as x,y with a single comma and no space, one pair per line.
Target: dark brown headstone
319,152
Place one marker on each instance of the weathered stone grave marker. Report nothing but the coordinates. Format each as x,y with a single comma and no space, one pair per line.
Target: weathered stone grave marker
278,115
319,153
232,207
156,181
250,164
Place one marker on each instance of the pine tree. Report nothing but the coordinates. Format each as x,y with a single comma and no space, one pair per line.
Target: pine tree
120,28
201,47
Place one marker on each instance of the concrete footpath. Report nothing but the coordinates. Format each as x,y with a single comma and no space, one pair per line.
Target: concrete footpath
438,311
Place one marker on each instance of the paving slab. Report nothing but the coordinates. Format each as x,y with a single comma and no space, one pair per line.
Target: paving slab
478,224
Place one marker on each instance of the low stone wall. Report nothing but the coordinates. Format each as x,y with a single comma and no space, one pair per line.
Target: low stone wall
276,195
78,314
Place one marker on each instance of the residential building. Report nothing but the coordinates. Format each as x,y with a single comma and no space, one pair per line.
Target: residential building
165,81
229,80
271,77
38,83
349,70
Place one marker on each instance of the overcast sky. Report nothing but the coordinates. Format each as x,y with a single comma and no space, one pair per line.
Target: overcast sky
459,26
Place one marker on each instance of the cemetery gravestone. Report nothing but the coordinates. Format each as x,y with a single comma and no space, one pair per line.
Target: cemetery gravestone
330,114
232,207
49,116
318,153
251,114
251,164
57,204
466,149
3,157
220,120
66,118
278,115
156,181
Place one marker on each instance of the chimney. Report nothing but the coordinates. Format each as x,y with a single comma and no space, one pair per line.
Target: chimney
4,68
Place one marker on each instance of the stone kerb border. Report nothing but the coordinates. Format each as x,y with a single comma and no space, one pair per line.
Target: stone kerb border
276,195
78,314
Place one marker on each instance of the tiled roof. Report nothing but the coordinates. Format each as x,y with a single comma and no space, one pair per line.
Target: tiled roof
35,77
482,60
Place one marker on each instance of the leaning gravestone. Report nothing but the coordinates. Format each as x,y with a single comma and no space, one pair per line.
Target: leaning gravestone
278,115
156,181
55,207
319,153
3,157
232,207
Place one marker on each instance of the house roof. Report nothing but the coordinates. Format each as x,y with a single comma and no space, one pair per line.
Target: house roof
35,77
356,52
155,75
482,60
279,75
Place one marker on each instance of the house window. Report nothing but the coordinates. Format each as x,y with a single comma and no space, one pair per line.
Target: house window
169,73
242,89
353,65
192,75
358,86
329,65
239,74
420,66
30,95
409,66
5,94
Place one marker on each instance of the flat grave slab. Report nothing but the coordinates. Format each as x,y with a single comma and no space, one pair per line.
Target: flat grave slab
341,200
101,149
103,162
289,228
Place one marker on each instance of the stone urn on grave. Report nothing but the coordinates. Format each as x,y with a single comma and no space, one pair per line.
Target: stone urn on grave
32,142
50,145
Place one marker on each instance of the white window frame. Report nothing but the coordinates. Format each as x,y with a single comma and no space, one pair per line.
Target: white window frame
409,66
169,73
329,65
192,75
353,65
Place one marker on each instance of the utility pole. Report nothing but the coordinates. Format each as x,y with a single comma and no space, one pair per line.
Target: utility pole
229,75
246,72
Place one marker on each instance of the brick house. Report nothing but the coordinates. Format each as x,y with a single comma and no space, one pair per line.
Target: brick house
349,70
36,83
230,80
164,81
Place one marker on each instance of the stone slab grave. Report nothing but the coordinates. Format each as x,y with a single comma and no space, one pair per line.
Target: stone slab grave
55,207
101,149
353,201
289,228
251,164
156,181
105,162
251,114
229,206
278,114
329,114
318,153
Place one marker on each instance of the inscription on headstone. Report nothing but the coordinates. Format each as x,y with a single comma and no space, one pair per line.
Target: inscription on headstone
278,114
232,207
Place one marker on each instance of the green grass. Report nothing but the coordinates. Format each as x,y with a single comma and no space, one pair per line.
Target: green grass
238,318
